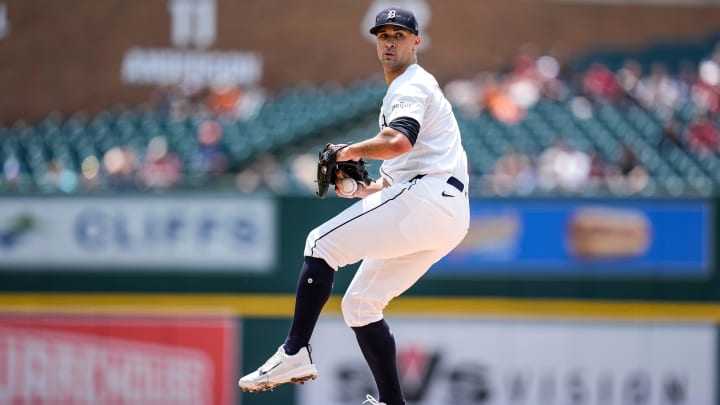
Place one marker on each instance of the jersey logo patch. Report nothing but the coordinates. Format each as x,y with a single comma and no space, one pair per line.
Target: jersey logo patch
400,106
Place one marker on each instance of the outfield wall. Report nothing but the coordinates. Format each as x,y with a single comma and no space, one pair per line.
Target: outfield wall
537,304
624,249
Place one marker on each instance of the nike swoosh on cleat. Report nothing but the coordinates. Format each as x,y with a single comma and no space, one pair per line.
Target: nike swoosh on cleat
444,194
263,372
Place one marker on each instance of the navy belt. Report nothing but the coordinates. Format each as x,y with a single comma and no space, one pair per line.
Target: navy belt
453,181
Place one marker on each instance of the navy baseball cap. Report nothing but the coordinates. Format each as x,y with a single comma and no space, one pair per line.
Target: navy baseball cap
399,17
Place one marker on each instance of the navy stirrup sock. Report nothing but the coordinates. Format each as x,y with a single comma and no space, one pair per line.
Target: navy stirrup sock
378,346
313,290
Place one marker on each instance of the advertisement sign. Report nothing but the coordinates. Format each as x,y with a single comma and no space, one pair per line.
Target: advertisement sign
204,233
649,238
193,29
488,362
84,360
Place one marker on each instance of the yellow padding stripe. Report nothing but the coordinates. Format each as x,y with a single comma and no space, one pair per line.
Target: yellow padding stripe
282,306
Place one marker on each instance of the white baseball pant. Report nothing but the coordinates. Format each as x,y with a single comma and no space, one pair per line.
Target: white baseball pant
398,233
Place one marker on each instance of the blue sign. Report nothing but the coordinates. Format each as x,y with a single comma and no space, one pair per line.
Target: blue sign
648,238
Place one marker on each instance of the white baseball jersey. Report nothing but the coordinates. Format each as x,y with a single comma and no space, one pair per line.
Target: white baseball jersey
401,230
417,95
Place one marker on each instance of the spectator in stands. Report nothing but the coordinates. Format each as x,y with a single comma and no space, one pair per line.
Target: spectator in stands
563,167
179,101
500,104
534,75
58,178
706,90
513,172
11,171
600,85
120,167
659,92
524,92
598,167
629,78
631,175
210,158
90,175
540,72
553,75
224,98
161,168
702,135
628,160
524,63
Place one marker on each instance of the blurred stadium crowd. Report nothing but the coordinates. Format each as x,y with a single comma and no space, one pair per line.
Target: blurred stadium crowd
638,129
540,126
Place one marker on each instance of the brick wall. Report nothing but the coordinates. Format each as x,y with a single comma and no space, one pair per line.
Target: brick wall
66,55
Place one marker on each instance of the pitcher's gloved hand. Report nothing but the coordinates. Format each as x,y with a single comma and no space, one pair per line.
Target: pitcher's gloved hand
328,168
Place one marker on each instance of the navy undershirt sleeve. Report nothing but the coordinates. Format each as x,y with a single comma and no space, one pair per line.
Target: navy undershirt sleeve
408,126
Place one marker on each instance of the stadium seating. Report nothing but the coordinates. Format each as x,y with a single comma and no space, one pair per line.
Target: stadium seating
289,117
298,114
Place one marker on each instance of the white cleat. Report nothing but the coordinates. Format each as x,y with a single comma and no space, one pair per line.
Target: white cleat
280,369
372,401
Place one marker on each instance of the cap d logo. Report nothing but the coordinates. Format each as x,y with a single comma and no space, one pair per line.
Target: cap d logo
398,17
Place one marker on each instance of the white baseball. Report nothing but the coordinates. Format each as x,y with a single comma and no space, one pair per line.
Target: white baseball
349,186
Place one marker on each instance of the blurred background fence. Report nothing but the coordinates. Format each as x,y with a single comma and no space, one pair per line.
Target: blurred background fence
156,189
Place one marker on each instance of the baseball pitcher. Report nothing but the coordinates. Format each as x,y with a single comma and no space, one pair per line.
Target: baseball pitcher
402,223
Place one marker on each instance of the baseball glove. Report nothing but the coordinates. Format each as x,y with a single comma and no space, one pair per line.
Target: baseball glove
328,167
